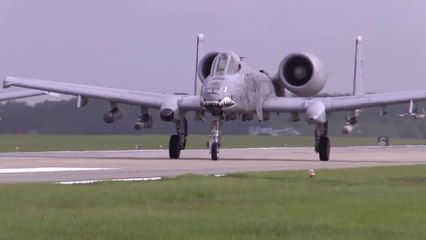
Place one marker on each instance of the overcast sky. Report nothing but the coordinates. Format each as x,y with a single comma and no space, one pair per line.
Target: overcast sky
150,45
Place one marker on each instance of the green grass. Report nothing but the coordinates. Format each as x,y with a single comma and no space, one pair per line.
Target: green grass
365,203
9,143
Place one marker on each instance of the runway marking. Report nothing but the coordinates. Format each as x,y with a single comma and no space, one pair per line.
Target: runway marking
123,180
49,169
110,180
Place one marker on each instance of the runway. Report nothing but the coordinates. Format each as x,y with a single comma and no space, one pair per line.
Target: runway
108,165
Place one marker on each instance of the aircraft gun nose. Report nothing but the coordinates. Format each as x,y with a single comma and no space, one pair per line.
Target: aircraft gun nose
212,94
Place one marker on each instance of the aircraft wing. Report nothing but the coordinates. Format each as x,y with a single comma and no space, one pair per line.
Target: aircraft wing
132,97
20,94
342,103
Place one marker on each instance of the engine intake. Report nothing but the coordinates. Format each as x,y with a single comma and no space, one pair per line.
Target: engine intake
205,65
301,73
298,70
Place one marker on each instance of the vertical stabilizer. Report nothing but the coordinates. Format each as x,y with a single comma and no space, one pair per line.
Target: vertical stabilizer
412,108
200,46
358,88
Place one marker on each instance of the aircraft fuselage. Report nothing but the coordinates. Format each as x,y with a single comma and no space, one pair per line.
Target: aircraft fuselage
234,93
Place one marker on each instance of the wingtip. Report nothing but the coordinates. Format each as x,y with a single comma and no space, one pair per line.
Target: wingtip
6,84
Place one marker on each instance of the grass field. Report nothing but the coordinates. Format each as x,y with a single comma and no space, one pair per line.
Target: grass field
13,143
366,203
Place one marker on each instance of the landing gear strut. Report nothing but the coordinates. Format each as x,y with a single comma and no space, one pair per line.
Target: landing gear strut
322,142
215,138
178,141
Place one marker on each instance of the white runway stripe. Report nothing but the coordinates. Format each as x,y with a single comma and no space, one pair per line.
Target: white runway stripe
111,180
49,169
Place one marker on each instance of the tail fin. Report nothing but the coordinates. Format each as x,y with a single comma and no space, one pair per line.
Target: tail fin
200,45
358,88
412,108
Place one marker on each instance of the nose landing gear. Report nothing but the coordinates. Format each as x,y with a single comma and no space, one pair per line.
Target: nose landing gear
215,138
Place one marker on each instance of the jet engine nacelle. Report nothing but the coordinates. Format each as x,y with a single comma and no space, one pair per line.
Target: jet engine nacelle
113,115
301,73
205,65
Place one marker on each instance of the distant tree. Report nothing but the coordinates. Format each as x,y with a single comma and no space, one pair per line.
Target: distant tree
62,117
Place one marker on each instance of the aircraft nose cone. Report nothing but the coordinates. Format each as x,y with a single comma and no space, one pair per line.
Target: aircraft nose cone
212,98
212,94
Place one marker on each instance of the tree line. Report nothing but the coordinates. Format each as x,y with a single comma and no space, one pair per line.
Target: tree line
63,117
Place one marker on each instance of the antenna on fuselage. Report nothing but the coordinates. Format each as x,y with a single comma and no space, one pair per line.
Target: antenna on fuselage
200,41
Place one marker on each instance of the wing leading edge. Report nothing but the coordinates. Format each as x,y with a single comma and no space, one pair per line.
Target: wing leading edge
342,103
132,97
192,102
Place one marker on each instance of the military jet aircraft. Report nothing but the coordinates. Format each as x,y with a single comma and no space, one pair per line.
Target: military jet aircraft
231,90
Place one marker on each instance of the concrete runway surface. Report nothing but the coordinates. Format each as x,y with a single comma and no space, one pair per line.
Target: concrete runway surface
108,165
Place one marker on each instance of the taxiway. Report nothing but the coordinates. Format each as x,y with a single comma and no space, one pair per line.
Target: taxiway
20,167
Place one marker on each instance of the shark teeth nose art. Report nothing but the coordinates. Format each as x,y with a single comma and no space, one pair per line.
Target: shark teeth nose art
225,103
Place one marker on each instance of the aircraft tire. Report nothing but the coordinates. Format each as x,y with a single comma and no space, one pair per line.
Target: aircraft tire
174,149
324,148
215,151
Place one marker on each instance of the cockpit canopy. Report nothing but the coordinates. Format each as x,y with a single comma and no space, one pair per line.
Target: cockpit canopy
225,63
219,63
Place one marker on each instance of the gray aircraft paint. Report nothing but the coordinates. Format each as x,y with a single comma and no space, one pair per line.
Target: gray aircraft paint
238,92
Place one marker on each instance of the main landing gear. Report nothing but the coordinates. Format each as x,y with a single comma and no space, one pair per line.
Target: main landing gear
215,138
322,142
178,141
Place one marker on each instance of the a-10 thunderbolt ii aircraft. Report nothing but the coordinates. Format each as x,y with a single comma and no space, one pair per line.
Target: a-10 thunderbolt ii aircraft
232,90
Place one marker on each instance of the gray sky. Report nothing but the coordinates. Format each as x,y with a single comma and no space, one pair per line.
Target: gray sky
150,45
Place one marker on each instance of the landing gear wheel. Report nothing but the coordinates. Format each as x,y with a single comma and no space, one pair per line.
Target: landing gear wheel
174,148
324,148
214,151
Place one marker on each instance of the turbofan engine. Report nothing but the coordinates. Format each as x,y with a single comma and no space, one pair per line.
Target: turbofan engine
301,73
205,65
